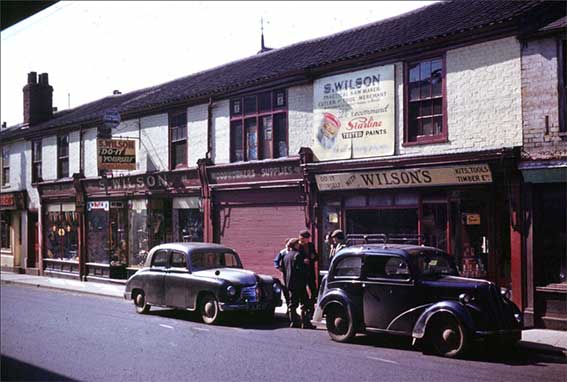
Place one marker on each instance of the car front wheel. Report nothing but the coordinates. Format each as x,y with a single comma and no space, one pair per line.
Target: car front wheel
142,307
339,326
447,336
209,309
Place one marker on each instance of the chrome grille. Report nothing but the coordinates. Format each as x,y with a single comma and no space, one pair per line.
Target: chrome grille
248,293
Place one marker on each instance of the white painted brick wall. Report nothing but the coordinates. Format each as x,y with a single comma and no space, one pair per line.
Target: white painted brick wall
221,132
89,146
74,152
196,133
154,143
49,158
483,99
33,195
300,117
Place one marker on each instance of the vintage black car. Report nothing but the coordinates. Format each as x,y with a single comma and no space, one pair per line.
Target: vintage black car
205,277
413,291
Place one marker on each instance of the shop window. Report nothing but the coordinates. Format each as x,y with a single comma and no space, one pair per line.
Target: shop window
61,232
139,243
5,166
258,127
98,250
160,222
331,222
62,156
425,109
393,221
36,161
434,225
190,225
5,217
178,139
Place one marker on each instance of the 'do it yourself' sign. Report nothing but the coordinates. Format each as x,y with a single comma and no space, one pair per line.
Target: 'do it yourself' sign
116,154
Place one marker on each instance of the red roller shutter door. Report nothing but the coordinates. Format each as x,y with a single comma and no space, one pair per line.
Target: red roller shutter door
258,233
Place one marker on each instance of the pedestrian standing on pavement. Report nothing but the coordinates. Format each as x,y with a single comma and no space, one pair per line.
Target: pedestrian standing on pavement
337,243
311,259
295,281
278,264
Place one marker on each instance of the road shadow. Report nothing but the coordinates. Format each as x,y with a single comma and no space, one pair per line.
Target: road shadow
517,355
231,319
12,369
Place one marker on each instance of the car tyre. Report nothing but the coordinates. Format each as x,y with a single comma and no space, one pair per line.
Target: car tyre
209,309
447,337
339,326
142,307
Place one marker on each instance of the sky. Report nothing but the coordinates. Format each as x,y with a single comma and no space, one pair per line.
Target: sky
91,48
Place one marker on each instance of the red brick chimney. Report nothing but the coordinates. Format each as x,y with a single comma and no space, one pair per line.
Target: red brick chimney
38,99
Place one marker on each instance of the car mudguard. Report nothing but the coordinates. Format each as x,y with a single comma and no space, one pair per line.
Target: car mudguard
452,307
337,295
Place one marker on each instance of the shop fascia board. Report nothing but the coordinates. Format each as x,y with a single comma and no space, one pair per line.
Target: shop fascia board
421,161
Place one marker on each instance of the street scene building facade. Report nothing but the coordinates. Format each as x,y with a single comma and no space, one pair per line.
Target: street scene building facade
444,127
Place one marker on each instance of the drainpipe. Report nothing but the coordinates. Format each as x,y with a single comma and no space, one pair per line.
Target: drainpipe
208,155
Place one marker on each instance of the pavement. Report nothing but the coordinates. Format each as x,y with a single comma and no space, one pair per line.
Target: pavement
540,340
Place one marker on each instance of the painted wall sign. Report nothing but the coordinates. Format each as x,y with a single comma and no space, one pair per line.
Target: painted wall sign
116,154
354,114
255,174
415,177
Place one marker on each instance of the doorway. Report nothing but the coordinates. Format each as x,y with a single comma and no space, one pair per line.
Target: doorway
33,240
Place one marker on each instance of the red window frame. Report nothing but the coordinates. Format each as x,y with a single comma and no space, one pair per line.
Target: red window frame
276,108
36,162
411,138
177,120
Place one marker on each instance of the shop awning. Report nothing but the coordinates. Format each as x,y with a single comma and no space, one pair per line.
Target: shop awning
544,171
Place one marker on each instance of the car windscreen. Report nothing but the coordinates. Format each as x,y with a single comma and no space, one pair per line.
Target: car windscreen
210,260
433,263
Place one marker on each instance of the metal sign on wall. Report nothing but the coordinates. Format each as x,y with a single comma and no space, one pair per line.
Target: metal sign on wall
414,177
116,154
354,114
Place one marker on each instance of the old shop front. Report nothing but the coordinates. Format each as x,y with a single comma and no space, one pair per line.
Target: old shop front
127,215
12,205
456,204
256,208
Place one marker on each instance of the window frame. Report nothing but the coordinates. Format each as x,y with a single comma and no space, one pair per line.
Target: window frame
5,164
345,258
242,116
61,158
387,279
37,178
6,224
429,139
172,115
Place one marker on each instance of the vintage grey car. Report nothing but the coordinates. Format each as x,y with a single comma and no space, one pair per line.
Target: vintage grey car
204,277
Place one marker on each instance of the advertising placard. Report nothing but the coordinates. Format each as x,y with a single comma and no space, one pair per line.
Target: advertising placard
354,114
116,154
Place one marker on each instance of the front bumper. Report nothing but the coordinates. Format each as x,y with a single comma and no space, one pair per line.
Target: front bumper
248,306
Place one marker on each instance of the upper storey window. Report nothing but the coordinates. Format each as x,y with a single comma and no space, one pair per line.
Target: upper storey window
5,165
258,126
178,139
36,161
63,156
425,102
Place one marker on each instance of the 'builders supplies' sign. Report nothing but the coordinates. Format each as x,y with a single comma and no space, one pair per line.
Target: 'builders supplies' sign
414,177
354,114
116,154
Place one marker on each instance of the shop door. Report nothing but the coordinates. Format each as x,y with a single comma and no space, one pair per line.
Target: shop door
33,243
258,233
395,221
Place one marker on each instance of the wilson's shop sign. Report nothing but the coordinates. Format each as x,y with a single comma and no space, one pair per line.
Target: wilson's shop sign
354,114
116,154
416,177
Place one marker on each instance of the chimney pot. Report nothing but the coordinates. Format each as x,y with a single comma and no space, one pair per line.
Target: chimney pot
4,125
32,78
43,79
55,109
116,92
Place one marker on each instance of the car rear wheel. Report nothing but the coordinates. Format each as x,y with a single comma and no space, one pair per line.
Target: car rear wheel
142,307
447,336
339,326
209,309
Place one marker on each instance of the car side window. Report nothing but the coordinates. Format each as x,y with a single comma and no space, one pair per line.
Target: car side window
348,267
160,259
386,267
178,260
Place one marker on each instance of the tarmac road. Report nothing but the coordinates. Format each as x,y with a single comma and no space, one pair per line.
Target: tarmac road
55,335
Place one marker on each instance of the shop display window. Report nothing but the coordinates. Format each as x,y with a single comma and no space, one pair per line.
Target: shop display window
98,235
331,222
5,217
138,233
61,235
434,225
190,224
160,222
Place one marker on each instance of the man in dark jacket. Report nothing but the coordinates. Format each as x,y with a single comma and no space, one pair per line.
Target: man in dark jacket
311,259
295,280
